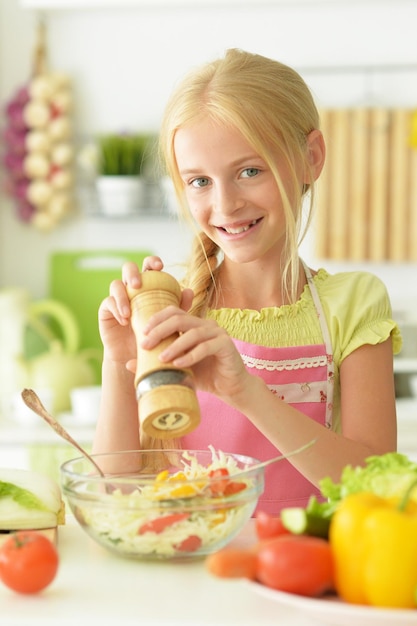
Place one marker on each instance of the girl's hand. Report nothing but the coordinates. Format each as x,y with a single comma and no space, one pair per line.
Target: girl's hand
204,347
114,313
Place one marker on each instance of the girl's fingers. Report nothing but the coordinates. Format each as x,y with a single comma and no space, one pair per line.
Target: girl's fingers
131,365
186,299
110,310
196,352
165,323
152,263
122,303
131,275
192,332
131,272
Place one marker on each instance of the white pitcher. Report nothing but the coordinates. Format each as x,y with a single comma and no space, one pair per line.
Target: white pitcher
17,312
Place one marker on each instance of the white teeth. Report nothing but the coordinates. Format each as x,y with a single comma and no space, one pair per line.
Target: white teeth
242,229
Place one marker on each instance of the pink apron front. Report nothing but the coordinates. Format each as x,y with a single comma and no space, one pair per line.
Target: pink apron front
303,377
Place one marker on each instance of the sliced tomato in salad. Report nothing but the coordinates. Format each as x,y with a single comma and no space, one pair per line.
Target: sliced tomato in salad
219,479
221,485
159,524
190,544
233,487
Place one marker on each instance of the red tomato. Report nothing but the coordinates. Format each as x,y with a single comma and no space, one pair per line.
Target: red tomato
159,524
217,487
268,526
233,486
296,564
221,485
28,561
190,544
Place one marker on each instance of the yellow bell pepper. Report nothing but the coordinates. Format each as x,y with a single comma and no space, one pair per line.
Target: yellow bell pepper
374,542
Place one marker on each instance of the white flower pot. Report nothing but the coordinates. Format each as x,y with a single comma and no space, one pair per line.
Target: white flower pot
120,195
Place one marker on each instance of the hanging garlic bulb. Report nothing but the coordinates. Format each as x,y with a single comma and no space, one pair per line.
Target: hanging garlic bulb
40,155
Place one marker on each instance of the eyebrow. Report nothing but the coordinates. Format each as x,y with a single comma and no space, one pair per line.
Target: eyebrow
239,161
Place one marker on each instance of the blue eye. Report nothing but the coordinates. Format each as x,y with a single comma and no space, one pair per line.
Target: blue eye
250,172
200,182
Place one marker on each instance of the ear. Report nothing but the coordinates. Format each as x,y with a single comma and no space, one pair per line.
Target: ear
316,155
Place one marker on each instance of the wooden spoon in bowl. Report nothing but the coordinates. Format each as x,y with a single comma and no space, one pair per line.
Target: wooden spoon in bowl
31,399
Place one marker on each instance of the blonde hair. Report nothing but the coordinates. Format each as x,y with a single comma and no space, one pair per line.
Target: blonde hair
273,108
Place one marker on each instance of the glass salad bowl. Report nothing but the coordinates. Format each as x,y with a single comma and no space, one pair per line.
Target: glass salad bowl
163,504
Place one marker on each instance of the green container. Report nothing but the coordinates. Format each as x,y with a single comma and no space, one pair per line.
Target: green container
81,280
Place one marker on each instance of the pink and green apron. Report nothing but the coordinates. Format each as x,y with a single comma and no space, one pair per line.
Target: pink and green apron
302,376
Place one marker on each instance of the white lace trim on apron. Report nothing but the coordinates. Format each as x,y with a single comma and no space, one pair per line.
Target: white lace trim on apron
286,365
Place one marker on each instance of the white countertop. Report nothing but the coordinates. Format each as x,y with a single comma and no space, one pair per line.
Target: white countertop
94,586
15,434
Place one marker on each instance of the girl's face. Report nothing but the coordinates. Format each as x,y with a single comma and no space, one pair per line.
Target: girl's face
231,192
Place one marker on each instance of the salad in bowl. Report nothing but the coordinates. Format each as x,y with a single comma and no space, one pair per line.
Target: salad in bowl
163,504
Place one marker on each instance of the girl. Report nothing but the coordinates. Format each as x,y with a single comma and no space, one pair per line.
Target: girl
281,354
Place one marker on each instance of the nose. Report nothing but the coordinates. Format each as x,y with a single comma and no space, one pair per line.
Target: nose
227,198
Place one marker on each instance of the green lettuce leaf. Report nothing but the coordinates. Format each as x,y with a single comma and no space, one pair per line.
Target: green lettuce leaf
387,475
324,510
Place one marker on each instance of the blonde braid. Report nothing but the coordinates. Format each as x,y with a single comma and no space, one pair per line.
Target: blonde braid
201,273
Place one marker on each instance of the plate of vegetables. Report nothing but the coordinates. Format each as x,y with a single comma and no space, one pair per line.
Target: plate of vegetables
329,609
351,557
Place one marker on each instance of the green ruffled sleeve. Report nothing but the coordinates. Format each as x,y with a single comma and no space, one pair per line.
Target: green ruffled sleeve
363,314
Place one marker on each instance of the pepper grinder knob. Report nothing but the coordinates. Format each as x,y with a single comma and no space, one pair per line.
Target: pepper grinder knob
167,403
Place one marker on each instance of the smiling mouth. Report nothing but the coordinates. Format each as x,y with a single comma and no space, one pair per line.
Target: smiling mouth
239,229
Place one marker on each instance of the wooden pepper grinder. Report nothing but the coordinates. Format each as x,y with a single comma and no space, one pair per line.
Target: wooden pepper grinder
167,403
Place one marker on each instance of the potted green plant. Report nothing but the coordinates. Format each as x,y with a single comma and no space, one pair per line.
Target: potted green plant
122,160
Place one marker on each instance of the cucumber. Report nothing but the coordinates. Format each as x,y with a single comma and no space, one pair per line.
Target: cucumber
299,521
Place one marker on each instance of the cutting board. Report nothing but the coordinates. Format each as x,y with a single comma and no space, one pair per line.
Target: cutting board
81,280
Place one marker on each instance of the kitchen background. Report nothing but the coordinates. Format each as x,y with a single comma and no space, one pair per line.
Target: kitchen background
124,57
